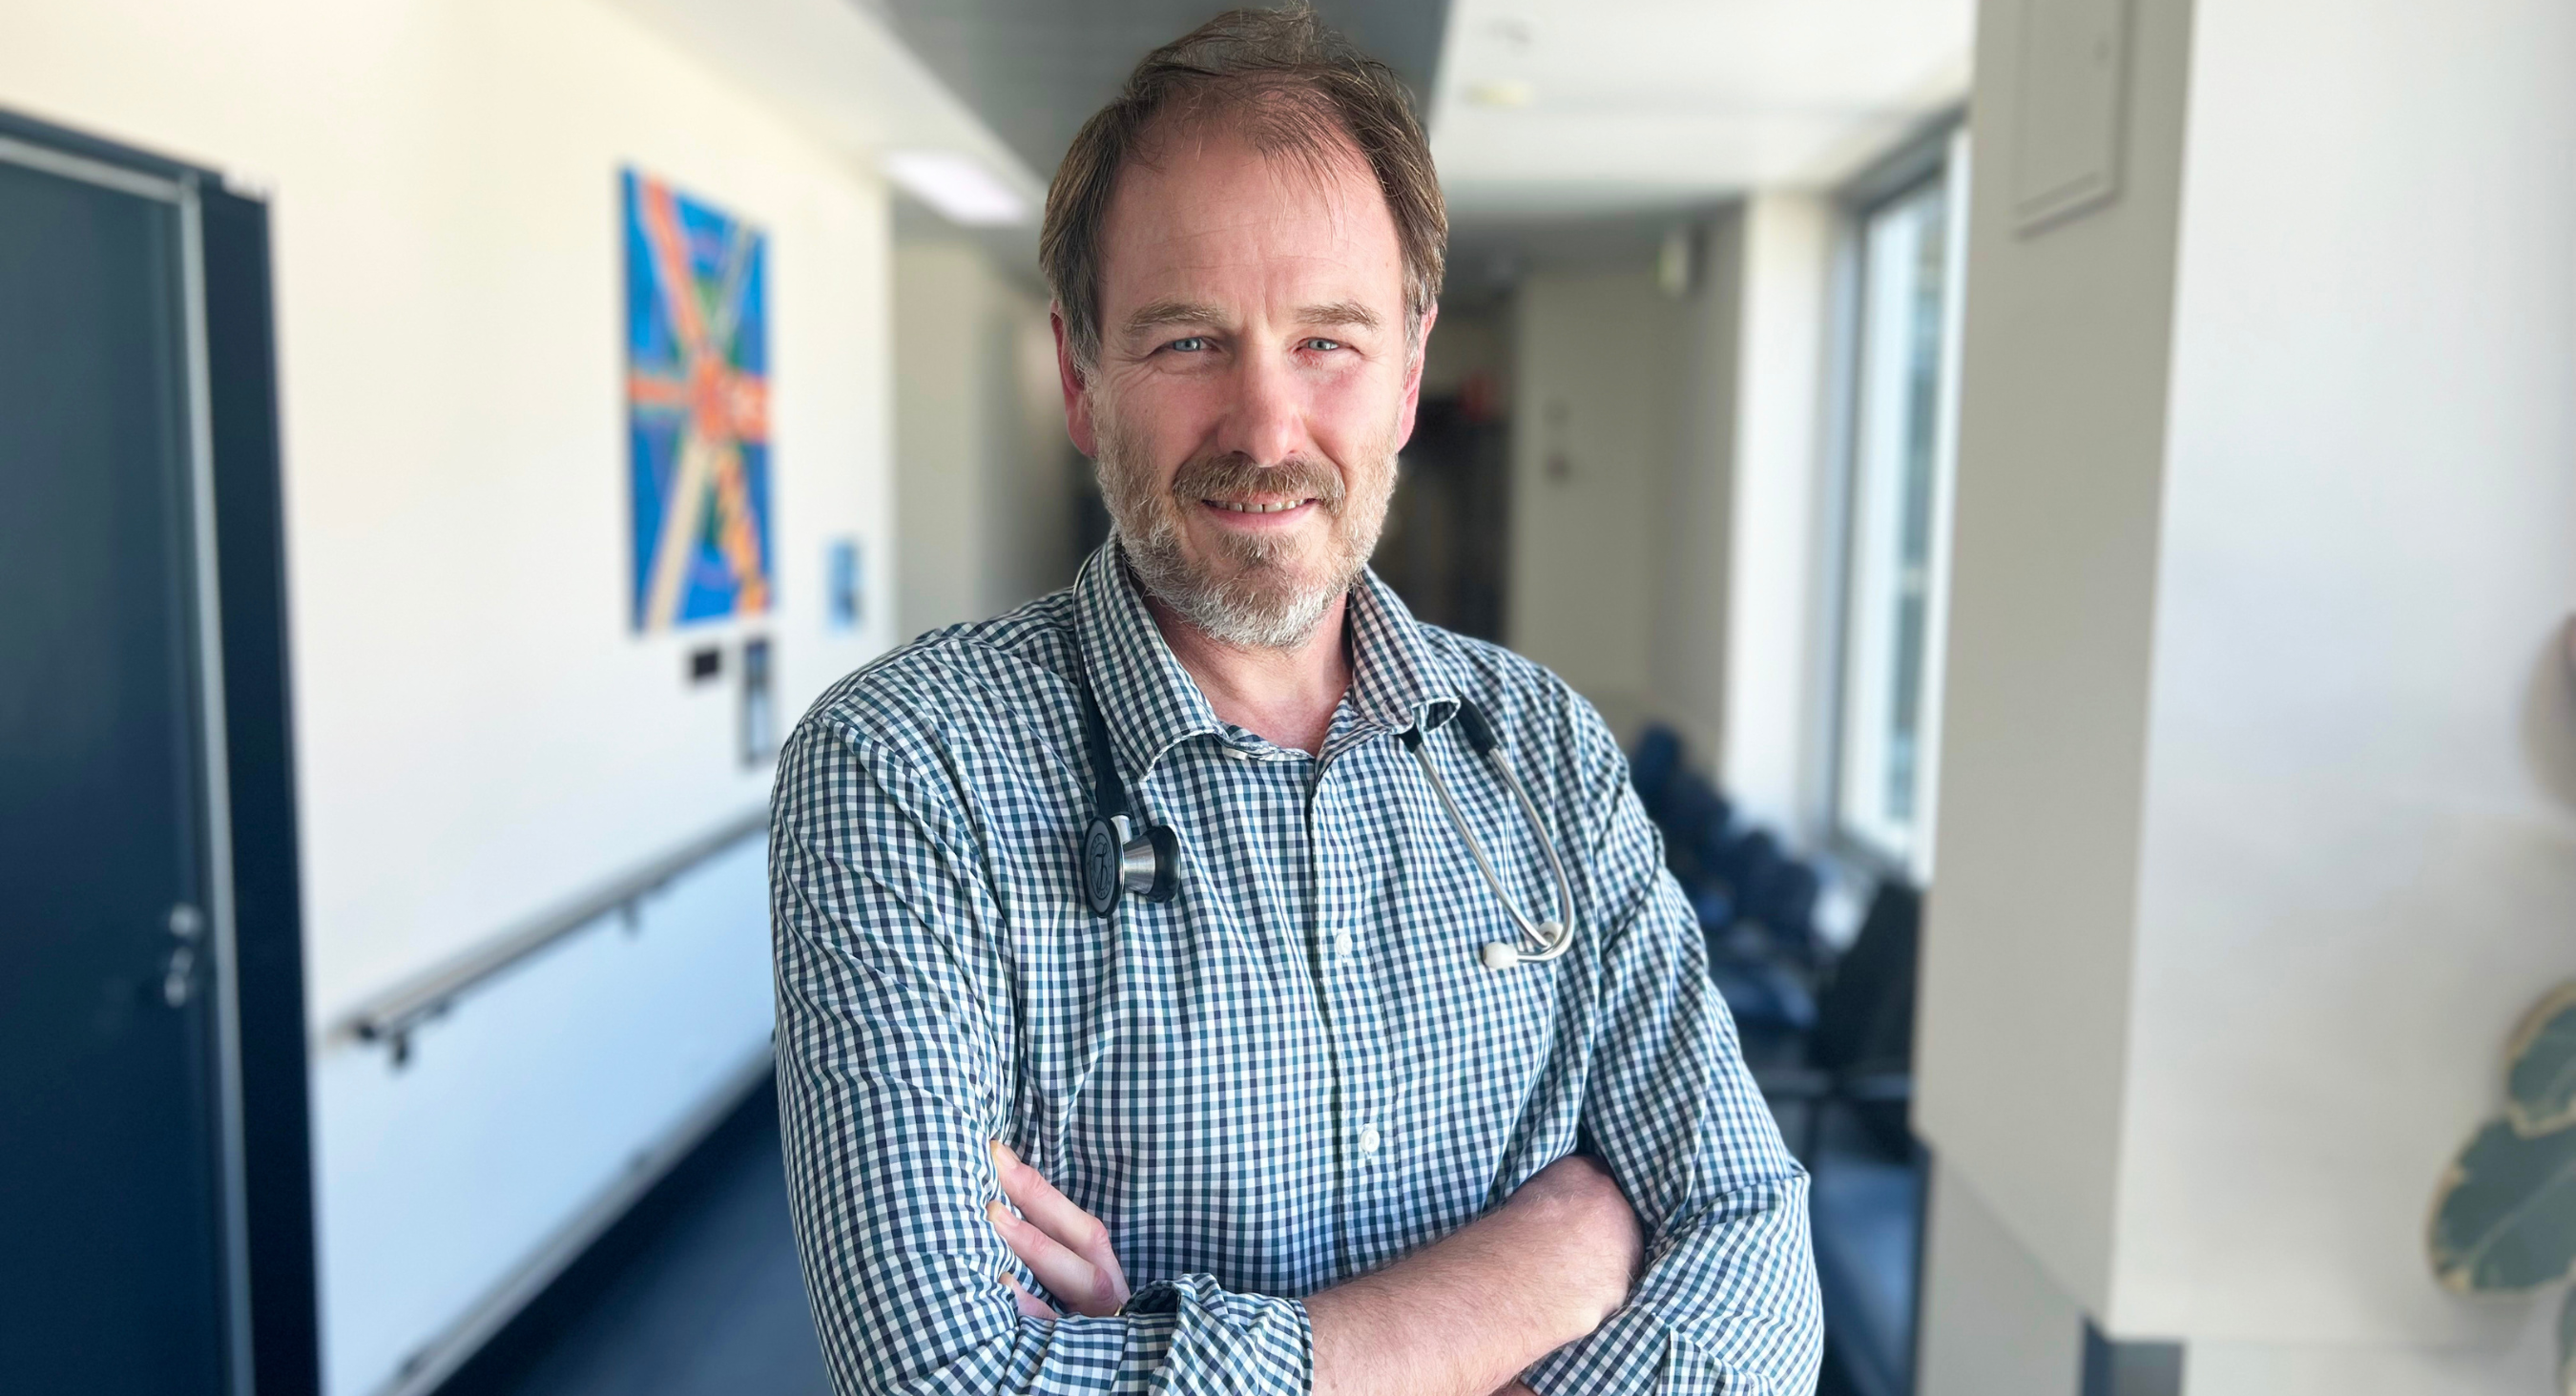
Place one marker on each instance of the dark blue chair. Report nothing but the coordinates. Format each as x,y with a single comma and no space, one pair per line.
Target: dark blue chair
1852,1095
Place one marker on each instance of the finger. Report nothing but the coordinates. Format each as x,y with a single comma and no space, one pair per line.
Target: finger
1054,1213
1075,1279
1031,1306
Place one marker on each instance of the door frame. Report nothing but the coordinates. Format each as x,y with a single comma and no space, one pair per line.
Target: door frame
263,1146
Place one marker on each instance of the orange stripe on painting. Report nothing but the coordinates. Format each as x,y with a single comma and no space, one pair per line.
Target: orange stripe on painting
671,267
747,403
656,390
737,534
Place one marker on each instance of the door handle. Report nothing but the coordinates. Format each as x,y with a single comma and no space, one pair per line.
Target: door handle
179,979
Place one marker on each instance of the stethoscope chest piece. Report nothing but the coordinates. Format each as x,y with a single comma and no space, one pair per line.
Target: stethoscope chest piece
1118,857
1116,860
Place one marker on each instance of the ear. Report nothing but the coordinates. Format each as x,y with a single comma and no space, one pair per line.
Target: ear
1077,402
1413,376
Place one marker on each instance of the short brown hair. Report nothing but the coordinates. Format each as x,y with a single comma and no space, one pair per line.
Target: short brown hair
1300,89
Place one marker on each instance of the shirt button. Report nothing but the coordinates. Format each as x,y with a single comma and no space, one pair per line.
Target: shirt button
1368,1141
1342,943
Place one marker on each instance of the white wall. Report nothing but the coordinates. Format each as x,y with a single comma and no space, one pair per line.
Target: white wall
1741,654
2022,1036
480,735
1595,420
985,476
1689,668
2258,817
1992,1322
1674,569
2361,796
1774,721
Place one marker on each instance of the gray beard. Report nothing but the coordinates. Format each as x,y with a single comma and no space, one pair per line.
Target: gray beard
1263,604
1260,607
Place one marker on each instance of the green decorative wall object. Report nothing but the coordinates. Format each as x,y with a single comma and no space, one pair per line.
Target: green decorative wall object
2540,1084
2506,1223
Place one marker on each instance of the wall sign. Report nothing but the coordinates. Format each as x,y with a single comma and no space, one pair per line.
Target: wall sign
2066,149
843,609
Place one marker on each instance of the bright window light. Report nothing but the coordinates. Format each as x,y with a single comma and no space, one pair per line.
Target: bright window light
959,187
1904,402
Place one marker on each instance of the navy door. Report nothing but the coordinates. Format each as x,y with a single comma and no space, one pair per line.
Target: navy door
118,1257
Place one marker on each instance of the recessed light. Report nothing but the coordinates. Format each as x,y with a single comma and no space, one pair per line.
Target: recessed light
960,187
1500,94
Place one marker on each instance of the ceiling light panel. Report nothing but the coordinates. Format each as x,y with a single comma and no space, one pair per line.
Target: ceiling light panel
962,190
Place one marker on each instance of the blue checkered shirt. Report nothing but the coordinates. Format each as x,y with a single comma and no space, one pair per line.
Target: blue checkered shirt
1291,1074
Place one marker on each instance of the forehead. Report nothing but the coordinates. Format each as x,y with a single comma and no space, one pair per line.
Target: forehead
1206,215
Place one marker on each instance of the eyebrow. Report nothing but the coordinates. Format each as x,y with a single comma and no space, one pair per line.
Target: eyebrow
1350,313
1155,313
1159,313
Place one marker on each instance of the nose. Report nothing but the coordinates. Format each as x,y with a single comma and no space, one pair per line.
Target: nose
1267,420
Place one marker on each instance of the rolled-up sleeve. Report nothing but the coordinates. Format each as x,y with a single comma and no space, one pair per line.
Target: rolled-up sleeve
1728,1301
894,1071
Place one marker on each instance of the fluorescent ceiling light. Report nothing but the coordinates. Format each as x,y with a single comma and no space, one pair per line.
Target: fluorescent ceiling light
960,187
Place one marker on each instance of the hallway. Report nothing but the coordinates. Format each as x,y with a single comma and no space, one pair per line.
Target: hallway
694,1293
2064,506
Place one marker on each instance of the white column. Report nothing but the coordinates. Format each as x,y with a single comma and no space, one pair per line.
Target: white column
1772,731
2258,810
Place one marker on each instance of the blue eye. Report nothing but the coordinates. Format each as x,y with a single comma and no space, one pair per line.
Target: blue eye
1189,344
1322,344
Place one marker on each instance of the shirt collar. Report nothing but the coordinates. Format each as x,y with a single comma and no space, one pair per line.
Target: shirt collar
1151,703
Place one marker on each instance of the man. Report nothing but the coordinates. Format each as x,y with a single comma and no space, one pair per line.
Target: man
1330,1140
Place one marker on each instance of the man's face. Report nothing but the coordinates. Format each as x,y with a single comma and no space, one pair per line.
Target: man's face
1254,383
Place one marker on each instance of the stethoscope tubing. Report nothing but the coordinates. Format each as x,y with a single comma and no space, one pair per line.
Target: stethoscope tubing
1550,937
1123,852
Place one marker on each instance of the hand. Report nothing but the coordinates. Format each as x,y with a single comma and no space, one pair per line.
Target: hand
1064,1246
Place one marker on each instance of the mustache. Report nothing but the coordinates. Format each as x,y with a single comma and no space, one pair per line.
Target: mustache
1223,477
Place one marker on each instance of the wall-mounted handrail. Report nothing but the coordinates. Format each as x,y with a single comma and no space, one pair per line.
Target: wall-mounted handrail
390,1017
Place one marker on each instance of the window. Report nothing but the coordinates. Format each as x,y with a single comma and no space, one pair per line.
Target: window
1902,393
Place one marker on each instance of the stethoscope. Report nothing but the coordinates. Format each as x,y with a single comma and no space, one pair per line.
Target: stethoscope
1123,852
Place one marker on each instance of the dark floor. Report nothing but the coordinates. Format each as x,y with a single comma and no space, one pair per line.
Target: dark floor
694,1293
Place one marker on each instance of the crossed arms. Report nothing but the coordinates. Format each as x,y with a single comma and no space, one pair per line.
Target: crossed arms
1460,1317
896,1072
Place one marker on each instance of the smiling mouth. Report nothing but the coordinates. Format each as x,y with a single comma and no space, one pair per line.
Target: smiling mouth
1254,506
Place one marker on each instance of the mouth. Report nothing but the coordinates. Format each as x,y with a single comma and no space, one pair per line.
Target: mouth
1265,509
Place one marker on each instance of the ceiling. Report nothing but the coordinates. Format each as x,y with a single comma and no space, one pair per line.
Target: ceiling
1599,106
1562,128
1035,70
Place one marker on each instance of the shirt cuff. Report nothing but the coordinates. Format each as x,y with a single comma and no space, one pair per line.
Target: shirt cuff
1205,1340
1635,1352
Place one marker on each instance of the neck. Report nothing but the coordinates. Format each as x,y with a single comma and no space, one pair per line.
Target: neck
1285,695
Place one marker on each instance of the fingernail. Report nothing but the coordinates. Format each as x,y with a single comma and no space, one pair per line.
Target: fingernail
1003,1152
